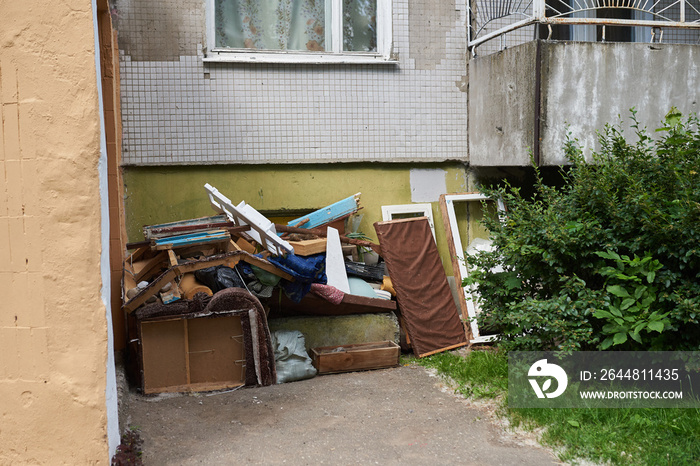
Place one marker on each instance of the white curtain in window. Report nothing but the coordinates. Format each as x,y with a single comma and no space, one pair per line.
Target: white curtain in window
271,24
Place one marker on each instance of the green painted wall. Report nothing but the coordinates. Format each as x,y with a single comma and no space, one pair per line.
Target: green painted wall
164,194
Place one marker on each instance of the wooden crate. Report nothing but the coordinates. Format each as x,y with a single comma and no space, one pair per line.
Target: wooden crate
357,357
191,354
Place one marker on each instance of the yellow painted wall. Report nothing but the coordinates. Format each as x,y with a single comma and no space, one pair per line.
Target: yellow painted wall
163,194
53,326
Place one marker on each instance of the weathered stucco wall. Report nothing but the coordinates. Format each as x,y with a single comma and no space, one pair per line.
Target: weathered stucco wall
586,85
53,325
502,107
162,194
582,86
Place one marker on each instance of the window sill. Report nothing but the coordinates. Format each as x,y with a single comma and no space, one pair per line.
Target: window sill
319,58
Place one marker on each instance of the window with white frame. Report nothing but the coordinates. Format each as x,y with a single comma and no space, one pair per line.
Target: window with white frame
394,212
299,30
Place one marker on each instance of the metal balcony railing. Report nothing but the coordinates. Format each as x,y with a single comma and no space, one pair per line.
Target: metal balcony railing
490,19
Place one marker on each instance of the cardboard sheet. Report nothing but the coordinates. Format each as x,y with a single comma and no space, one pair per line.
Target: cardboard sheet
422,292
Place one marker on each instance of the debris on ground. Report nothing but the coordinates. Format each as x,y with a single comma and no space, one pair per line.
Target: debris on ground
199,294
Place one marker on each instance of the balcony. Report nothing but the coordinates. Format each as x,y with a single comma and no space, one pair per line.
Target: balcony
527,98
499,24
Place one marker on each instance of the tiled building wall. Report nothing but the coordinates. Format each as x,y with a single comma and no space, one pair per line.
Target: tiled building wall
179,110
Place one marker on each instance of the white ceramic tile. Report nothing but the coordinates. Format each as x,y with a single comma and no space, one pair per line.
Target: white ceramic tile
247,113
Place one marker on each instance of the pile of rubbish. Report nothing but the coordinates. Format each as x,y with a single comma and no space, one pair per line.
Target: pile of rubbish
172,278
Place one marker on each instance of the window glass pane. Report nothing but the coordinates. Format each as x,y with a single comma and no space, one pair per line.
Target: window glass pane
270,24
360,25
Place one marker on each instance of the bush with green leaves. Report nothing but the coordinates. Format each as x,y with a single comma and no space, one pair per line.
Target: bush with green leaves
608,260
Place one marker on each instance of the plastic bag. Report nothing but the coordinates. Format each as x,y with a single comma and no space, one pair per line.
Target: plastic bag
291,359
219,277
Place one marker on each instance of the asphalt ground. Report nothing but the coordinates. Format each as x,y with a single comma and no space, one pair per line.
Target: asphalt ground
398,416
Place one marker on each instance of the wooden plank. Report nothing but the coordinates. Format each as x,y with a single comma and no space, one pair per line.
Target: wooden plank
186,338
267,266
192,239
362,356
209,242
195,387
448,348
244,245
143,247
153,288
191,225
232,246
172,258
144,270
164,355
215,345
309,247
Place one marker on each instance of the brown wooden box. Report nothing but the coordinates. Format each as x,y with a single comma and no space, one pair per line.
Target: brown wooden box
191,354
357,357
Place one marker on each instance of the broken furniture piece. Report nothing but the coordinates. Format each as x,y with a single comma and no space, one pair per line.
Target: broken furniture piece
175,271
423,294
261,229
190,353
357,357
468,304
210,344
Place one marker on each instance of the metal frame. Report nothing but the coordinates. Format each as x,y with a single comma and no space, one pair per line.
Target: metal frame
666,14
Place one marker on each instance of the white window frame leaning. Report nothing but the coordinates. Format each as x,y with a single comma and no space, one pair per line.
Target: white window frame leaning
459,263
336,55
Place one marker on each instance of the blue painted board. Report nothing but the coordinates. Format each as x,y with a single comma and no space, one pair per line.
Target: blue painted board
328,213
193,238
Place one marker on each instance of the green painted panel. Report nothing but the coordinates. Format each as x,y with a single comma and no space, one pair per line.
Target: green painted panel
165,194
